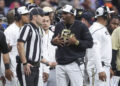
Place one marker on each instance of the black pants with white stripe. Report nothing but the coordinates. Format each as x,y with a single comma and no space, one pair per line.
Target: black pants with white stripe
31,80
19,74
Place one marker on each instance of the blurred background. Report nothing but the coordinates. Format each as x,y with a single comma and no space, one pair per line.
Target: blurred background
6,5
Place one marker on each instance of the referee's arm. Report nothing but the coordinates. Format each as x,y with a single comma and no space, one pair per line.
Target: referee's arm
23,37
21,51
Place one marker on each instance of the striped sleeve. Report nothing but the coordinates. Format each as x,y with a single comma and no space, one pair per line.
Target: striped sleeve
25,33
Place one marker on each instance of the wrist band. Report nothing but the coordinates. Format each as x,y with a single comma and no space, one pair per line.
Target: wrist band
25,63
7,66
47,63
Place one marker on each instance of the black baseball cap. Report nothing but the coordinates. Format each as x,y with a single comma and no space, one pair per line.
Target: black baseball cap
37,11
89,16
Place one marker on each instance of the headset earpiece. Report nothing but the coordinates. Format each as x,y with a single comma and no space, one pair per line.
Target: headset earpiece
17,15
105,14
73,11
97,13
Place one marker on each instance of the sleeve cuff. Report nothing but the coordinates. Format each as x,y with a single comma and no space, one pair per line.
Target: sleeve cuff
4,52
20,40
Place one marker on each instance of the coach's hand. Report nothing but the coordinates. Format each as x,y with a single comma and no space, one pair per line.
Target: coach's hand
58,40
8,74
102,76
27,69
72,40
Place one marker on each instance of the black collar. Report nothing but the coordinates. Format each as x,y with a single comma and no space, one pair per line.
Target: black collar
34,26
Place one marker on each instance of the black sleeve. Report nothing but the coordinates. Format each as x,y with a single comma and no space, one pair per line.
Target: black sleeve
113,62
3,44
57,31
86,40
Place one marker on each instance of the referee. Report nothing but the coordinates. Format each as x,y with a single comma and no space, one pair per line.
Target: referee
29,48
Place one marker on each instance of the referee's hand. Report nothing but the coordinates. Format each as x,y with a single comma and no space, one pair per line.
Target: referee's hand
102,76
27,69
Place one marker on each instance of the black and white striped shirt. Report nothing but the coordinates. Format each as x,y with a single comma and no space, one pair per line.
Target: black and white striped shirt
31,36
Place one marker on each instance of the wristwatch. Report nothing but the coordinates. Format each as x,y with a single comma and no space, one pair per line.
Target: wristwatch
47,63
77,42
25,63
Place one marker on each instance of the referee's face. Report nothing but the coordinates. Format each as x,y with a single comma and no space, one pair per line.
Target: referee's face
39,20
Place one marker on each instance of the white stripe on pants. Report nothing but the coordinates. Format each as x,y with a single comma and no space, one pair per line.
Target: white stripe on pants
32,79
70,72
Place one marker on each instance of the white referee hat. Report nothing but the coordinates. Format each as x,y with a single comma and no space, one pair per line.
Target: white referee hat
22,10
